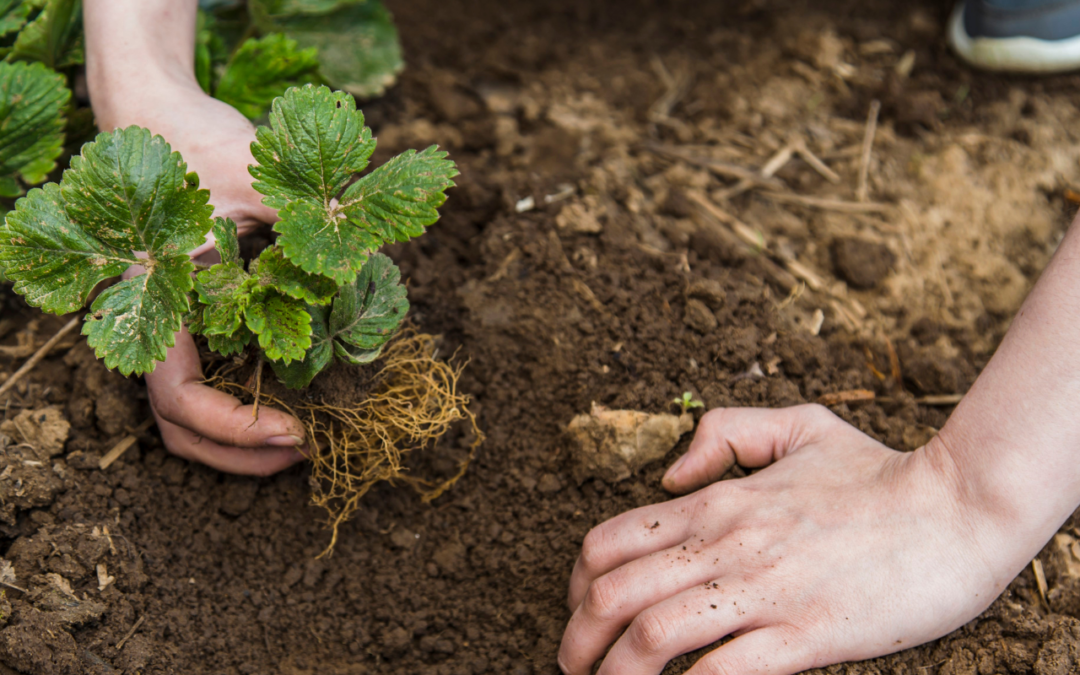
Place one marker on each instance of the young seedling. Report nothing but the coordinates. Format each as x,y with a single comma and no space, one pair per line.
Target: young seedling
320,292
687,402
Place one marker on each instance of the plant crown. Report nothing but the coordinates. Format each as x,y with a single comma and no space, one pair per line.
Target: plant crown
320,292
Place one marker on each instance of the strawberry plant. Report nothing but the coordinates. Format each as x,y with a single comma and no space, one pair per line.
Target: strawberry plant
320,292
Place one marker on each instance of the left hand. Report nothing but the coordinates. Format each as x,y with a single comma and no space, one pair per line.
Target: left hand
841,550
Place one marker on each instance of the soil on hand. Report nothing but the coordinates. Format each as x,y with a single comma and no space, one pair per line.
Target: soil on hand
578,261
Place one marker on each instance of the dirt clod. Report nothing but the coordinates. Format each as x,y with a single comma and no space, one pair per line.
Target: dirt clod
613,444
44,431
863,264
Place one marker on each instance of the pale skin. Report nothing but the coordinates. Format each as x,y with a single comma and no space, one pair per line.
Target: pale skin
840,549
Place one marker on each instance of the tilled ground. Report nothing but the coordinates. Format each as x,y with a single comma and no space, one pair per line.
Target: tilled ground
618,121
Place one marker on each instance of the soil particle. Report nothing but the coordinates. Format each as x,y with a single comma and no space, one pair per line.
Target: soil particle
699,317
44,431
612,445
863,264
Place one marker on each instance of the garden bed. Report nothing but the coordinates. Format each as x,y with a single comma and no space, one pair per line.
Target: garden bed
571,266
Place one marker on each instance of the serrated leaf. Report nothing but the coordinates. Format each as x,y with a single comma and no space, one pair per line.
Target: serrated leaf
225,240
315,143
367,312
54,37
63,240
354,356
272,270
32,101
283,326
228,345
359,48
261,70
225,289
131,190
13,15
322,243
132,323
400,199
298,374
53,262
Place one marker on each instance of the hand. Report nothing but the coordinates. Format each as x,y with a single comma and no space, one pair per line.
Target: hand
198,422
841,550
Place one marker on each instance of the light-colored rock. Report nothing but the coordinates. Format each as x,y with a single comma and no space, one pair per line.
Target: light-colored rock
613,444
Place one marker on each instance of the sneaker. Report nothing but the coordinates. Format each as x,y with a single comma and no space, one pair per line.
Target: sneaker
1027,36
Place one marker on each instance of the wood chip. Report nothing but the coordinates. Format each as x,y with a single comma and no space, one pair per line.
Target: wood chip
122,447
1040,578
849,396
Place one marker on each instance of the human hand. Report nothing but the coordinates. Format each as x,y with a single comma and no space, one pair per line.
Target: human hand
841,550
140,56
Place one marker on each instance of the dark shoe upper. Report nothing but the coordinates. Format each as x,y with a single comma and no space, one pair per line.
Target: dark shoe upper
1049,20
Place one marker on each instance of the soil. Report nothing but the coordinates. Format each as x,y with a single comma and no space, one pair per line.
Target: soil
615,287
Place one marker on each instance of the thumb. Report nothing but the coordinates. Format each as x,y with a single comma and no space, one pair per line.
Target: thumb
178,396
750,437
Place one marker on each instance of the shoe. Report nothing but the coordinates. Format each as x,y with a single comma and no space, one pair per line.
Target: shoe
1026,36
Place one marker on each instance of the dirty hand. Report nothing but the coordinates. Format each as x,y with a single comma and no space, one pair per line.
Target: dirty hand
140,72
842,549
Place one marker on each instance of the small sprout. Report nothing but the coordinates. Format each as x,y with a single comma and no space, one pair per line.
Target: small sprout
687,402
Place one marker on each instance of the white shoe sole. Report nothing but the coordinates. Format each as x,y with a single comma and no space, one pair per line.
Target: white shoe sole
1015,54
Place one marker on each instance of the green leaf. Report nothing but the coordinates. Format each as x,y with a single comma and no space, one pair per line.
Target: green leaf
400,198
132,323
54,262
367,312
274,271
227,345
133,192
279,8
225,239
54,37
359,49
283,326
127,192
315,143
298,374
32,101
225,289
261,70
13,15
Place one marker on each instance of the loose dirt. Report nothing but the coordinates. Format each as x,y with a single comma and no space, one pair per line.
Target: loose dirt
620,286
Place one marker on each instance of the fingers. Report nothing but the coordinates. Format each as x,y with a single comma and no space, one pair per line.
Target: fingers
627,537
767,651
247,461
614,600
688,621
751,437
177,396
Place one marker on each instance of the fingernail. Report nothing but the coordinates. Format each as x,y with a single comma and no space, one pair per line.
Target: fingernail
285,441
674,470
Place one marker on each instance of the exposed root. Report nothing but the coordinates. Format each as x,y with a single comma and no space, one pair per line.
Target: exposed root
352,448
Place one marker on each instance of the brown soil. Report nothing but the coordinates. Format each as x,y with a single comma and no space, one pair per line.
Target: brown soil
615,288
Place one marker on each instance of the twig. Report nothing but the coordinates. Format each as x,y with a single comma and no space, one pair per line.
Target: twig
120,645
940,399
862,191
778,161
1040,580
122,447
815,163
849,396
39,354
720,168
828,204
749,236
733,191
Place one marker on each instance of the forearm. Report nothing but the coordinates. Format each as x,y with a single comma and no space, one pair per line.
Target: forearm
1015,438
135,46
